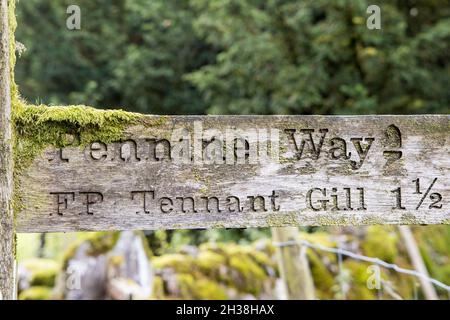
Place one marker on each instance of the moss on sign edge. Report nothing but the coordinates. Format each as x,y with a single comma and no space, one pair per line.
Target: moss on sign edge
37,127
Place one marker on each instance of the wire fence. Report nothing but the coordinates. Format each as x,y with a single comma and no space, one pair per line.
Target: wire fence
360,257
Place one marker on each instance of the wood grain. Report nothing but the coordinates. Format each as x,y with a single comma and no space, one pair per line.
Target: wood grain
102,187
6,164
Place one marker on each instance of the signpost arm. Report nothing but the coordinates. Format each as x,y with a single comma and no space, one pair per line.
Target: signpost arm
6,163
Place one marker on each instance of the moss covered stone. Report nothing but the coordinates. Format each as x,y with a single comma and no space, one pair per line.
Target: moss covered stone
99,243
178,262
36,293
324,278
158,288
381,242
212,264
248,276
239,268
434,244
199,288
358,281
42,272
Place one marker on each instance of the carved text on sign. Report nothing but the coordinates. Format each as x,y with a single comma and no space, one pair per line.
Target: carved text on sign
244,171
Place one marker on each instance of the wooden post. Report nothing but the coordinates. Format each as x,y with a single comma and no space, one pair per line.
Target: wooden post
6,164
417,262
293,265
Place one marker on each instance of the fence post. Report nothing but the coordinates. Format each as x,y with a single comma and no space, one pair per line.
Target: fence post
417,262
293,265
7,284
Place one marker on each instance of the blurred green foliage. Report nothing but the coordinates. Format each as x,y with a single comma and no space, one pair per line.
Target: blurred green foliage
128,54
238,56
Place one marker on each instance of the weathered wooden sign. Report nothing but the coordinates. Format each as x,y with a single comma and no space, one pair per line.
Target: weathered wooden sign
63,171
244,171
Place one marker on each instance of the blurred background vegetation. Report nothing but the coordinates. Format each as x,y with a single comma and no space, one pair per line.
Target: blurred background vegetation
233,57
241,57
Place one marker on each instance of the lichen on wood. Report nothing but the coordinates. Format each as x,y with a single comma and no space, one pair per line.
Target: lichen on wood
7,225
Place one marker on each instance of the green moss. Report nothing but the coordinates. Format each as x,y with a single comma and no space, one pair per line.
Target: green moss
69,254
259,257
180,263
436,238
44,278
381,242
281,220
43,271
102,242
247,276
211,263
36,293
153,121
434,245
242,268
99,243
37,127
359,277
199,288
158,288
228,250
159,242
324,278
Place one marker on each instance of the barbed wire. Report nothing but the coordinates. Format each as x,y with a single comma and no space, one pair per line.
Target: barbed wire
361,257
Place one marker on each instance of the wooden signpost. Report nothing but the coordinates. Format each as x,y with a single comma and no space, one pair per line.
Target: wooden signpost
244,171
216,171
